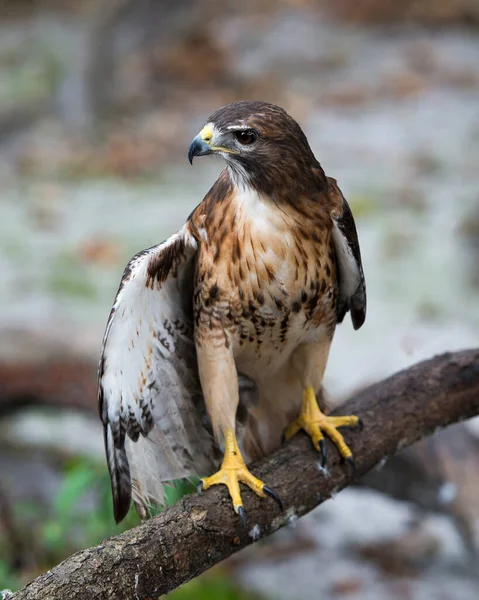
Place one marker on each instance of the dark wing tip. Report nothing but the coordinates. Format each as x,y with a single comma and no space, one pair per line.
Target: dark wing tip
358,317
121,506
358,306
119,474
121,487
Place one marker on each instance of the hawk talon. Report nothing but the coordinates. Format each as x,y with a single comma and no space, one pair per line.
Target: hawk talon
351,465
360,425
199,487
242,515
324,452
272,494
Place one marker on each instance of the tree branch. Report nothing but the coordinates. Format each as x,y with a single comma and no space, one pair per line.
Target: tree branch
69,383
200,531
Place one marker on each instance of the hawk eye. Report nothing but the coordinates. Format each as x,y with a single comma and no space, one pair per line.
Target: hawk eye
246,137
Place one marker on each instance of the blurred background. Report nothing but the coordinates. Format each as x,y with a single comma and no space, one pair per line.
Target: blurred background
99,100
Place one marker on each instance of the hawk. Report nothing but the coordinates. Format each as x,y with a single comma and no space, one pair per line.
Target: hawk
219,336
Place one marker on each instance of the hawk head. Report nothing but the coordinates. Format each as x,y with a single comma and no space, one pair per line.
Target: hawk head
262,145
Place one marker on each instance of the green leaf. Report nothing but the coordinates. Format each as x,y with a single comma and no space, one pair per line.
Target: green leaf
52,536
211,587
74,486
8,579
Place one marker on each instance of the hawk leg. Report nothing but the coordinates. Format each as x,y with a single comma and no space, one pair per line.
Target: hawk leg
316,424
233,471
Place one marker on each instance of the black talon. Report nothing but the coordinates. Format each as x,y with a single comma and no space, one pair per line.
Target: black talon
283,437
272,494
242,516
324,452
199,487
351,465
360,425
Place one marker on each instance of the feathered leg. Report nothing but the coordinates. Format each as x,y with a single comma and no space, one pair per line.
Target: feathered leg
219,381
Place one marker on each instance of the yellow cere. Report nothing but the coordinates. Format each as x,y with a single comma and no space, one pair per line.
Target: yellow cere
206,134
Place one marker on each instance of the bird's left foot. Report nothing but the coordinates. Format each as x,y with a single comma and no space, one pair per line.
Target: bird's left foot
316,424
234,471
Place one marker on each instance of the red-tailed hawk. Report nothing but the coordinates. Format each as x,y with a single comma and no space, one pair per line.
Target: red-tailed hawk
219,336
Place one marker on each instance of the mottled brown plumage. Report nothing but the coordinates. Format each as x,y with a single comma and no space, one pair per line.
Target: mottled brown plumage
263,270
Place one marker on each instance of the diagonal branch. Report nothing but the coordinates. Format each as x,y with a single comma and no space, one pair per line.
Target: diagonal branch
200,531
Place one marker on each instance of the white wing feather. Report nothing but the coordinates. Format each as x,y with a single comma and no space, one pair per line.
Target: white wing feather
149,390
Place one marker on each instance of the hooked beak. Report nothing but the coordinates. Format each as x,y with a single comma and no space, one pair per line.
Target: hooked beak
198,147
202,144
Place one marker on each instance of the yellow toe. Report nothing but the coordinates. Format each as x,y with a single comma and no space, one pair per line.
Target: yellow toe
233,471
316,424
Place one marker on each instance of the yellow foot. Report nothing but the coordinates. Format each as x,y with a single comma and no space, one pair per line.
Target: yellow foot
233,471
314,422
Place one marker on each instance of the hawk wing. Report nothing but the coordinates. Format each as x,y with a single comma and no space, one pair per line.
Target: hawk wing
150,396
352,287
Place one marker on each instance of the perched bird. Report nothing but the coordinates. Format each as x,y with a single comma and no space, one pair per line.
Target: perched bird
218,338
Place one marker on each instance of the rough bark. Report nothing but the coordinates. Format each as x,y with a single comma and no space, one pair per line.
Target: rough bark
200,531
